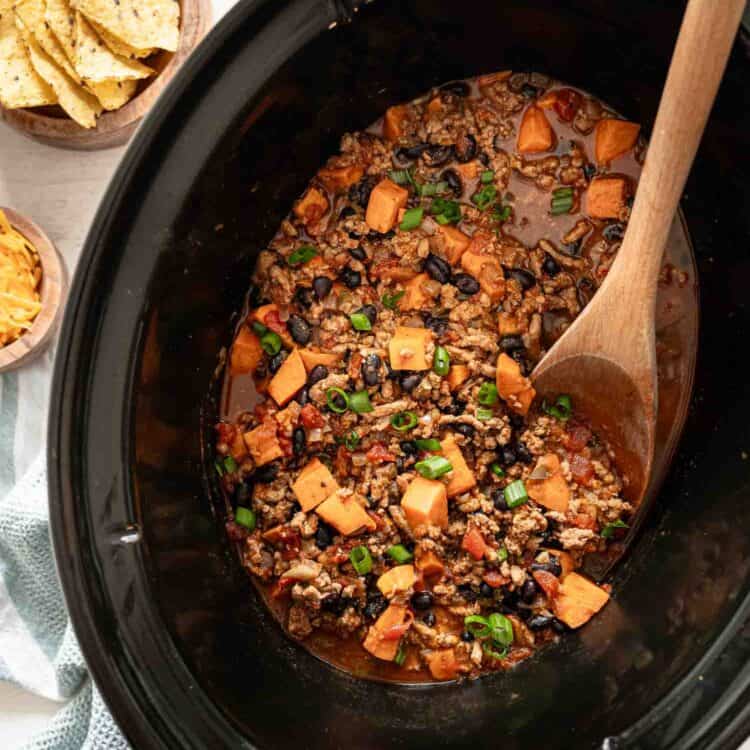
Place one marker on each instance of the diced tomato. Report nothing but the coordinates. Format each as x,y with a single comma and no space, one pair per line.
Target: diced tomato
354,366
273,321
392,270
567,103
581,469
577,438
226,432
394,632
549,583
494,579
473,542
379,454
311,417
282,587
584,521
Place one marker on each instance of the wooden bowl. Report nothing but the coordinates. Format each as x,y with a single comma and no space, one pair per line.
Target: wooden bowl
53,288
52,126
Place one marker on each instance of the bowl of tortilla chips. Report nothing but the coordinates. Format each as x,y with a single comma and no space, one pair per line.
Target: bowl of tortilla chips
82,73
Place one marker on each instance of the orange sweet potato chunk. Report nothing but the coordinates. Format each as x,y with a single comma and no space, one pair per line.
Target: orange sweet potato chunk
578,600
487,271
311,207
425,502
345,512
263,444
385,633
468,171
247,352
397,580
457,375
454,243
427,562
312,357
414,296
535,133
551,491
407,348
606,197
290,377
385,201
314,484
340,178
394,122
614,138
507,324
461,479
443,664
515,389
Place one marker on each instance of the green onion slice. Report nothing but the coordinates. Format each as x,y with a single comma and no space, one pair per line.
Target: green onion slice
429,189
245,517
360,402
360,322
428,444
351,440
219,467
259,328
445,211
609,529
399,553
497,470
412,219
391,300
404,420
501,629
483,414
230,464
441,361
301,255
361,560
334,395
488,394
271,342
487,648
400,176
501,213
562,409
487,176
483,198
433,467
477,626
515,494
562,201
400,656
502,554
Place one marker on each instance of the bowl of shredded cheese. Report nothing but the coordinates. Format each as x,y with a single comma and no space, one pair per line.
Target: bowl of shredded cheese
32,286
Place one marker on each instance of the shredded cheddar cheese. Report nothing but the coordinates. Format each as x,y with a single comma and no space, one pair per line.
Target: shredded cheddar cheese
20,275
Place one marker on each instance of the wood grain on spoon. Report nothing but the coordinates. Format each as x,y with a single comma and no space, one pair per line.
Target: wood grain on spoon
606,360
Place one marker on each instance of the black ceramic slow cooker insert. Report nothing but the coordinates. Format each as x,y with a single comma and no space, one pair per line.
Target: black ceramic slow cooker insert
182,648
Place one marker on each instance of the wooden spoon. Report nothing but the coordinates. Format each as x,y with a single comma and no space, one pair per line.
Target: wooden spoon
606,360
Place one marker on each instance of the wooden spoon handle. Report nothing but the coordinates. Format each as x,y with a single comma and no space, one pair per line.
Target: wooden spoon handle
700,56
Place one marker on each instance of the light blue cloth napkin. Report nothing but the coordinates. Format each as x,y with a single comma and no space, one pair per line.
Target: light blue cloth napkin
38,649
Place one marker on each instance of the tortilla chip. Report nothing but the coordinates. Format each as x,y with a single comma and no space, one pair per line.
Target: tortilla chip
20,84
31,13
118,46
95,62
113,94
61,18
139,23
82,106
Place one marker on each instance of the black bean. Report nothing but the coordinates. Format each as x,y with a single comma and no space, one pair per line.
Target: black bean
346,212
552,543
455,408
359,193
525,278
370,312
525,613
614,232
436,155
299,329
303,296
409,447
317,374
529,91
351,278
485,590
550,266
467,592
437,324
267,473
507,456
466,148
335,603
421,600
454,181
401,158
539,622
376,604
410,380
519,357
467,637
324,535
322,286
499,501
276,361
574,248
378,236
484,158
523,454
370,369
299,440
529,591
429,619
517,422
458,88
242,494
466,284
358,253
511,343
463,428
437,268
353,235
303,397
390,373
559,626
553,566
415,151
589,170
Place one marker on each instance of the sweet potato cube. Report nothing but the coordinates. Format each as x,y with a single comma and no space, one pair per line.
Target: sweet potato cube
515,389
345,512
614,138
461,479
314,484
468,171
290,377
425,502
427,562
606,197
312,357
414,296
237,448
311,207
552,490
408,348
535,133
394,122
385,201
247,352
487,271
457,376
384,635
578,600
263,444
507,324
442,664
454,243
397,580
264,311
338,179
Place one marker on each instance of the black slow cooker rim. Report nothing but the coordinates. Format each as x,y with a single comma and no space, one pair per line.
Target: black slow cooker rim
144,719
